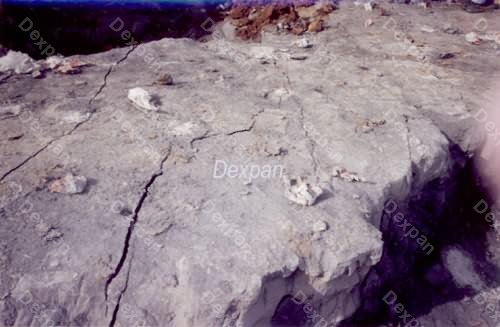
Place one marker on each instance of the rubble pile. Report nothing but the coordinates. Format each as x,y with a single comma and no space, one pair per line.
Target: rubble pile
284,16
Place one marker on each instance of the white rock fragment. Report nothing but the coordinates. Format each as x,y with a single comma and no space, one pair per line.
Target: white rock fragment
368,6
472,37
292,262
423,4
283,26
182,129
142,100
346,175
36,74
278,95
75,117
299,191
303,43
427,29
53,61
263,54
63,65
320,226
18,62
281,92
69,184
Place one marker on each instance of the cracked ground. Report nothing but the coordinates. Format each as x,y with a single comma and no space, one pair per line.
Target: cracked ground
157,240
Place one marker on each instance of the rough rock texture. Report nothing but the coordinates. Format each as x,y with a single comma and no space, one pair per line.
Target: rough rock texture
157,239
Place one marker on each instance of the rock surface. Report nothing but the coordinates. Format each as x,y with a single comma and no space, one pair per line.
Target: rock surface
158,240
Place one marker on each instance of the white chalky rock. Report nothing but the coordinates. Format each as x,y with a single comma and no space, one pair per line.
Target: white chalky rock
278,95
303,43
427,29
182,129
301,192
320,226
18,62
53,61
141,99
472,37
75,117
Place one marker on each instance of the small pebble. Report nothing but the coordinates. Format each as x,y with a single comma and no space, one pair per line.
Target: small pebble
69,184
473,38
427,29
320,226
303,43
142,100
165,79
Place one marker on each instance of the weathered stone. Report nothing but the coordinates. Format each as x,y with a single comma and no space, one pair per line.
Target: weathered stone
165,79
69,184
142,100
18,63
320,226
301,192
303,43
473,38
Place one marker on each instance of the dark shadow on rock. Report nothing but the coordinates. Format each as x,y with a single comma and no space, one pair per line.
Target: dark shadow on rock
444,212
289,312
91,182
155,100
327,194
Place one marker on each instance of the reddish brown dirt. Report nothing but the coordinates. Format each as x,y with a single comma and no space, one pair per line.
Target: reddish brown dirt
295,18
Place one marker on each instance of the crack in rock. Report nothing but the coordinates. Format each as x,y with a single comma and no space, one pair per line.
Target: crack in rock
249,128
72,130
207,135
104,84
312,143
122,292
4,176
244,130
128,237
408,143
